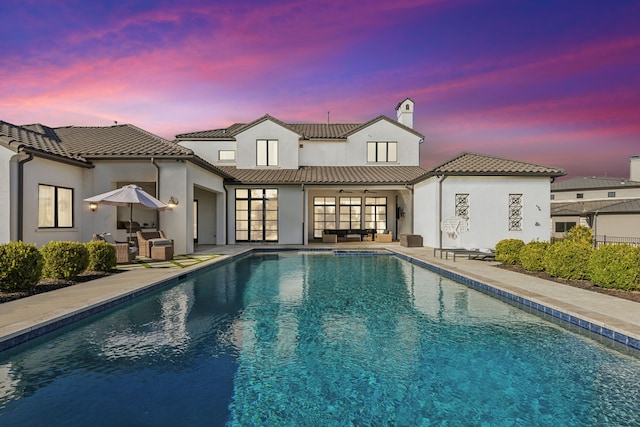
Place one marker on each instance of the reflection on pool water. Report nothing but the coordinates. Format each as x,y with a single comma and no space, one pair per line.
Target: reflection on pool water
316,339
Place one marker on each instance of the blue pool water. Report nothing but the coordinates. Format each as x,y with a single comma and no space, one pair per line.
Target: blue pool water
318,340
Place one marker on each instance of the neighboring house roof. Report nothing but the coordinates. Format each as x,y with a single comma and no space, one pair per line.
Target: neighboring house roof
328,175
582,208
305,130
467,164
593,183
38,142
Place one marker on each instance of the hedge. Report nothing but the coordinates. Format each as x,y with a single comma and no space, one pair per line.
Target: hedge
615,266
102,256
64,260
568,259
532,255
20,266
508,251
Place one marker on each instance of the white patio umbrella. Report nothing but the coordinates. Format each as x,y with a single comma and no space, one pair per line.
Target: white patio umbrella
128,195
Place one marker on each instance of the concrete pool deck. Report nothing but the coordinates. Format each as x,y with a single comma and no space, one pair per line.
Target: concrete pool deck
24,316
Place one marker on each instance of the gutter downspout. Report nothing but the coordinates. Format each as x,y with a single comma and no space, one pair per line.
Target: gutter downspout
304,213
440,179
153,161
20,218
226,215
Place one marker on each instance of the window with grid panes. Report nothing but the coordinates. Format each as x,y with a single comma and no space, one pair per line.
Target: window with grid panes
257,215
375,213
324,215
350,213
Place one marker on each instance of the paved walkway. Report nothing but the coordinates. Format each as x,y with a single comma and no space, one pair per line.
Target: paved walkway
21,316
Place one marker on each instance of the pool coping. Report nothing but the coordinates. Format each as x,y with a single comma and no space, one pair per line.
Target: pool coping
16,333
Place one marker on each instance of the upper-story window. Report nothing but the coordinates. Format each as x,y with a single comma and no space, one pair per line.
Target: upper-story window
267,152
611,194
382,151
55,206
227,155
579,195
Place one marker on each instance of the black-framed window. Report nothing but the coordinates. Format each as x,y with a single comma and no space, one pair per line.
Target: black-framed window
267,152
382,151
55,206
324,215
579,195
563,227
611,194
375,213
350,213
257,215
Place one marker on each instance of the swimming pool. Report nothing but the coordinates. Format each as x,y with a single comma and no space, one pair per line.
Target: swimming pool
316,339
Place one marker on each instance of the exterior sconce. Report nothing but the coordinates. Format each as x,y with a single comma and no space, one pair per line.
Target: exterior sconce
173,202
93,206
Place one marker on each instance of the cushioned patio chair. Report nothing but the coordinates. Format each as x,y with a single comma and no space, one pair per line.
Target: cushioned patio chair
125,253
149,239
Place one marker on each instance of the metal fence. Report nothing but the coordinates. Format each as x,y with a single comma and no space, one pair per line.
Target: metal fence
608,240
612,240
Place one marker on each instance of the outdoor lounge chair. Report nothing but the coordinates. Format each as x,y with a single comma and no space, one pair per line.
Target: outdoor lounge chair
125,253
147,240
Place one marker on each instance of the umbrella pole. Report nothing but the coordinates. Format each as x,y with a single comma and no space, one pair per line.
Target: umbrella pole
130,223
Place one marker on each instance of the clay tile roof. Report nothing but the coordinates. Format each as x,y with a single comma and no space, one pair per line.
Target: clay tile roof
37,138
305,130
592,183
480,164
117,141
327,175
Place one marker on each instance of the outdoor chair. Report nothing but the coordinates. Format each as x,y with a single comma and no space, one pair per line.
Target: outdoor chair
125,253
148,240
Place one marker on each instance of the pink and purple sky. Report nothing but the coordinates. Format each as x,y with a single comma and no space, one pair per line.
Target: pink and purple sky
554,82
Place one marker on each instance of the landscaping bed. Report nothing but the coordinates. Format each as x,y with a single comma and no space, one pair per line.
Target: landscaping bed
46,285
582,284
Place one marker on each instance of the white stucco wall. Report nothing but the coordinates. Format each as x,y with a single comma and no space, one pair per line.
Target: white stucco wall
210,186
7,206
425,211
41,171
208,150
488,209
287,145
383,130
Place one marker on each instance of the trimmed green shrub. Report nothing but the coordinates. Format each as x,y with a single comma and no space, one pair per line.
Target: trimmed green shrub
20,266
580,233
64,260
102,256
568,259
615,266
532,255
508,251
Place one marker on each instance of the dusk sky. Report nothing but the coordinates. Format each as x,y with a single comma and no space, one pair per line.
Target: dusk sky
552,82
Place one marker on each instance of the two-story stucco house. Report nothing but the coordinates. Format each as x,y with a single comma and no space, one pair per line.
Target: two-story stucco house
291,182
265,181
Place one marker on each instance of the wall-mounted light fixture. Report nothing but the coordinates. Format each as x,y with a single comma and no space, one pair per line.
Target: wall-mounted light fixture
93,206
173,202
